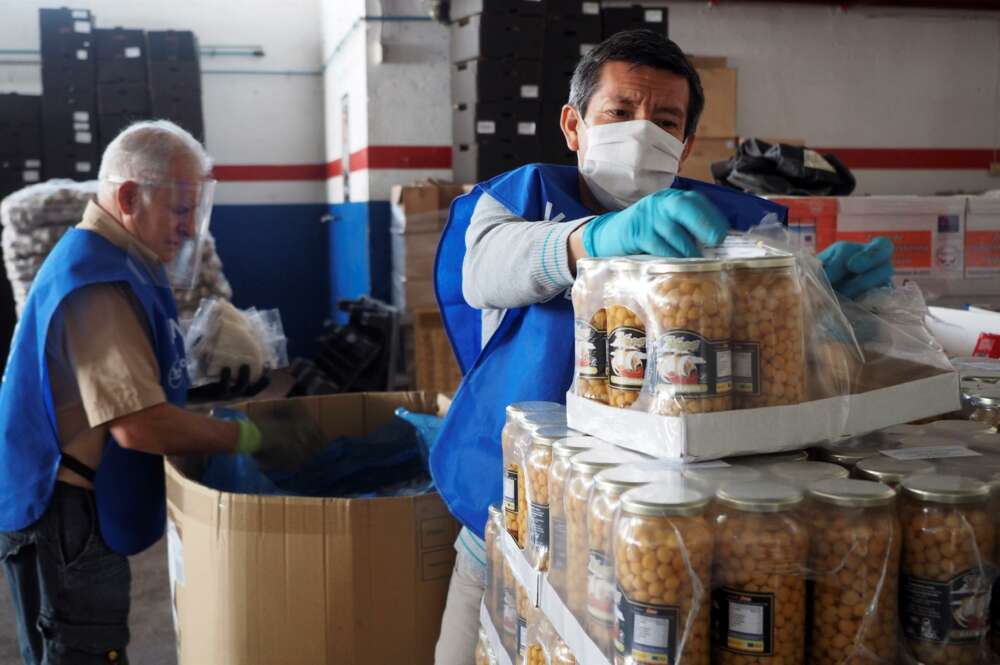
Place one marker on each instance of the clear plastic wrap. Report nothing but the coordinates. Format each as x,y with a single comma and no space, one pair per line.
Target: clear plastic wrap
854,556
512,433
484,651
493,594
759,587
890,471
948,545
508,624
221,336
804,474
663,547
591,330
980,389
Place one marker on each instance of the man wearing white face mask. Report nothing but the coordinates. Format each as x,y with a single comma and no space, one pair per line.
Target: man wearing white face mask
508,256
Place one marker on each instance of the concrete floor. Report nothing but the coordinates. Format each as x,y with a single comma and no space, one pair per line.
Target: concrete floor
151,622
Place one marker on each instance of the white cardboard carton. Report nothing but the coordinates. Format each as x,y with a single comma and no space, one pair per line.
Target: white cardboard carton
982,237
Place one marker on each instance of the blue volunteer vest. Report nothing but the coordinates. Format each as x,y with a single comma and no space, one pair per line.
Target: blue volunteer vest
530,356
130,487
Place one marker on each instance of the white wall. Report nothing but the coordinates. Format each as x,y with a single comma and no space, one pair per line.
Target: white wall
258,111
859,78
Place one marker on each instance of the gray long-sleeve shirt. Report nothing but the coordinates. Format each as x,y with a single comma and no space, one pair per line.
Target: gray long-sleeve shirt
512,264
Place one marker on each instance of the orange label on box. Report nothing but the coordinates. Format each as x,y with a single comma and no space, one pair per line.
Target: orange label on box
912,249
982,249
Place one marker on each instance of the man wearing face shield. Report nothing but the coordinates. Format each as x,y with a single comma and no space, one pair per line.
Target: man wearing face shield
632,116
92,400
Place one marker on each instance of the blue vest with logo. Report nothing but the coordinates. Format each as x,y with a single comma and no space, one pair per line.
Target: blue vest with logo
130,487
530,356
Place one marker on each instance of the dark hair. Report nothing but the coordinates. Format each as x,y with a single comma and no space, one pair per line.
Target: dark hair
638,48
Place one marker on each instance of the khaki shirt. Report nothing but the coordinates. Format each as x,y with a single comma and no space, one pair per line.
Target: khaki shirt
100,355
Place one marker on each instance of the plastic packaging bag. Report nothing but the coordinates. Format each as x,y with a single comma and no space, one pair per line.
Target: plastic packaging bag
221,336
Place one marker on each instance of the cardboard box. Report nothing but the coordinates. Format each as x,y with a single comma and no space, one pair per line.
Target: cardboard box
719,117
927,231
812,220
982,237
704,153
261,580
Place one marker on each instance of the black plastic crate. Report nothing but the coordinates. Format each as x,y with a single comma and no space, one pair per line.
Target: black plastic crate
110,125
182,75
64,21
497,36
616,19
69,46
120,44
473,123
554,149
20,110
61,161
505,80
172,45
569,39
69,76
21,142
556,79
465,8
479,161
123,98
572,8
122,71
186,113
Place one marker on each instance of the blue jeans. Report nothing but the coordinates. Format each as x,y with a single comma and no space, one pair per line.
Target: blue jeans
71,592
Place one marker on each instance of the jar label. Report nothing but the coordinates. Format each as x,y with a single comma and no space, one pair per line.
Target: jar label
591,351
538,527
510,489
646,633
685,363
600,587
522,637
626,358
743,622
952,612
746,368
557,544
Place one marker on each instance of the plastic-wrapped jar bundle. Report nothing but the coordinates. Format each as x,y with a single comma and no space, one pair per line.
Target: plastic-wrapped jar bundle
804,474
533,507
889,470
768,343
562,452
981,400
848,452
484,652
522,419
663,548
761,556
591,329
493,594
690,316
626,333
608,487
710,478
854,554
948,542
524,615
583,468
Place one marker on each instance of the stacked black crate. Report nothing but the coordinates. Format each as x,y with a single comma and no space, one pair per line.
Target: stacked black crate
20,141
69,94
572,28
122,81
632,17
175,79
496,51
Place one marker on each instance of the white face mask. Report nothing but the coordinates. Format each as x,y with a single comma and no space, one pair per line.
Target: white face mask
625,161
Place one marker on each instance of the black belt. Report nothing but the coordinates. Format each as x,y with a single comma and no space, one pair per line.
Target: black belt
78,467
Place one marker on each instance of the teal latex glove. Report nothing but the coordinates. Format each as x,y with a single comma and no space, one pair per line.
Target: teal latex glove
853,268
665,223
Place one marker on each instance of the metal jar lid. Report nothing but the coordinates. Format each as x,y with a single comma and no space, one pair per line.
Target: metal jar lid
890,470
635,474
897,431
574,444
664,500
717,475
958,427
945,489
762,262
771,458
547,435
849,493
760,496
806,473
589,262
590,462
494,510
671,266
520,409
539,419
849,452
624,264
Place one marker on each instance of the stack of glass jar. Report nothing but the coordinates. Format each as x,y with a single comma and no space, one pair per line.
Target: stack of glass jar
685,336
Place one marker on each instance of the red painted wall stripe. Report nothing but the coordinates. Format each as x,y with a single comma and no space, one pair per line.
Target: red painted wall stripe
914,158
439,157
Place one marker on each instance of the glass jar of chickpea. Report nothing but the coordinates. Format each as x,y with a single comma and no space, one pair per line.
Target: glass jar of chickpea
562,452
663,547
536,470
493,594
519,416
626,333
761,557
948,545
890,471
690,315
591,329
854,556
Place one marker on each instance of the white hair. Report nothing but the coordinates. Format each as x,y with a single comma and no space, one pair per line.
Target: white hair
146,150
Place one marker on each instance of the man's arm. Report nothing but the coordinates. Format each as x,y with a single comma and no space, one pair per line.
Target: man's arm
165,429
511,263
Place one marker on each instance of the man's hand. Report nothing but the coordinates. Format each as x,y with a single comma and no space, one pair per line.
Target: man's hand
231,385
853,268
666,223
285,439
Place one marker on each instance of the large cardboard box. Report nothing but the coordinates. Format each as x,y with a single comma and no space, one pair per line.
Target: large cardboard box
812,220
927,231
704,153
719,117
982,237
419,213
262,580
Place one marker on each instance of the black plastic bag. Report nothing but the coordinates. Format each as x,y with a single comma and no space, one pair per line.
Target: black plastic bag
763,168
